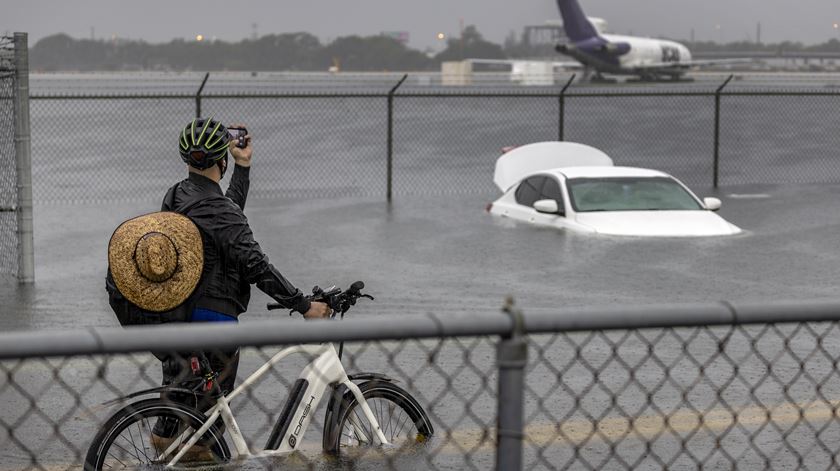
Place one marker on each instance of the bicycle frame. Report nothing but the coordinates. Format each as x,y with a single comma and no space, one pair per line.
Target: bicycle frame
322,373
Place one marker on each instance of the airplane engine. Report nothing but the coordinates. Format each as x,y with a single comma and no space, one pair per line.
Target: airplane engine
564,48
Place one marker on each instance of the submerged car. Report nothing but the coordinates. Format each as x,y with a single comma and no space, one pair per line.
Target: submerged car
576,187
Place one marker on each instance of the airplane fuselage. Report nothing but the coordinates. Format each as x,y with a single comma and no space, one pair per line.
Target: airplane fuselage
650,53
619,54
630,55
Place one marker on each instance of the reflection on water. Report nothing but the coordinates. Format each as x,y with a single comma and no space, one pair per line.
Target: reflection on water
429,254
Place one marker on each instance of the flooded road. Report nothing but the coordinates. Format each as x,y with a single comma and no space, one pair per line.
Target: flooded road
446,255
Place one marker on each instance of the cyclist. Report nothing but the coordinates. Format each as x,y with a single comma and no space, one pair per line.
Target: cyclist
233,260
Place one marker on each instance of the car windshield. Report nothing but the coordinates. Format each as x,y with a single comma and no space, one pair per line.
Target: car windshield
629,194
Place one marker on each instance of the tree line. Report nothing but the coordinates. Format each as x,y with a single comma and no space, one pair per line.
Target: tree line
305,52
287,51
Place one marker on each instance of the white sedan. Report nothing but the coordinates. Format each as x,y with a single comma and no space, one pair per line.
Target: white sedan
576,187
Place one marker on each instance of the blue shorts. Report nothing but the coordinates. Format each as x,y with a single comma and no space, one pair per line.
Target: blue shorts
206,315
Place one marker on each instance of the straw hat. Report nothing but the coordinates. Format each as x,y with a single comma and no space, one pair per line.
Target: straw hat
156,260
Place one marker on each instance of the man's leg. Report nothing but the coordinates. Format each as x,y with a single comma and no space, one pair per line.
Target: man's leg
176,369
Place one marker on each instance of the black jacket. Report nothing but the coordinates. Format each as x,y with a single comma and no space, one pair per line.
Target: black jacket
232,258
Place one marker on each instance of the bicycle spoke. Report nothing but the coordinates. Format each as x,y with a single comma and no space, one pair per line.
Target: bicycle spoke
359,428
391,406
395,418
403,423
112,455
352,435
121,448
136,451
143,442
124,450
394,432
153,443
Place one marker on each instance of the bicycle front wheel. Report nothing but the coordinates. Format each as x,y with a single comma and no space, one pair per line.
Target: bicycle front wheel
400,417
139,434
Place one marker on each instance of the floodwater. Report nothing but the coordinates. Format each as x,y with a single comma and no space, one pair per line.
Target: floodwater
446,255
443,254
440,254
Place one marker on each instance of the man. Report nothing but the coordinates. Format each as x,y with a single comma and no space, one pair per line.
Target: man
232,258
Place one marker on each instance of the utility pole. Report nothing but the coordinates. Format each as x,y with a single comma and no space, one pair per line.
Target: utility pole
758,33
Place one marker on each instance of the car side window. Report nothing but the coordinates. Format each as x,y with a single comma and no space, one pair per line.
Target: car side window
529,190
551,191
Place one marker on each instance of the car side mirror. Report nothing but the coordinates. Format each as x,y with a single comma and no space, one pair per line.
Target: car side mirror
712,204
547,207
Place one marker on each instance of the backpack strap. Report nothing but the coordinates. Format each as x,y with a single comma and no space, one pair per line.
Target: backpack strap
169,201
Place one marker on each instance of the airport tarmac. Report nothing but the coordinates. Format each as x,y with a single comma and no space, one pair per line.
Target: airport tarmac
237,82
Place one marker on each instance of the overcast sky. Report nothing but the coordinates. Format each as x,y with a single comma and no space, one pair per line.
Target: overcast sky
808,21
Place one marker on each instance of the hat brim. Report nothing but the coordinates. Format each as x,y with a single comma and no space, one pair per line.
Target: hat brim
144,293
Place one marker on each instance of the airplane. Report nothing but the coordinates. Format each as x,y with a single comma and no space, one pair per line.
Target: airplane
647,58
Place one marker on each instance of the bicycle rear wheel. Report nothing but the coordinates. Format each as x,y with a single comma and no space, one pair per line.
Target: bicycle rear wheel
126,442
400,417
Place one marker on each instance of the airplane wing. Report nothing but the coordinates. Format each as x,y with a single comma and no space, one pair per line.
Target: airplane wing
688,64
718,62
517,63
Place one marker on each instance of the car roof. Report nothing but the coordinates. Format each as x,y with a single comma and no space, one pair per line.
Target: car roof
606,172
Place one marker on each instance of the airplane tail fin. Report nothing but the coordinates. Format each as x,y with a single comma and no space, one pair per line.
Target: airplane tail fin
577,26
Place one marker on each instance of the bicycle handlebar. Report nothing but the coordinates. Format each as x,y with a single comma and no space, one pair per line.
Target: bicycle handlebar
339,301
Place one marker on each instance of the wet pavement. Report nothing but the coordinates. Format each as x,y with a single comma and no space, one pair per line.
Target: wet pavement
446,254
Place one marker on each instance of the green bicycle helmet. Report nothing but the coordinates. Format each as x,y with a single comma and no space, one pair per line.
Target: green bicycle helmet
203,143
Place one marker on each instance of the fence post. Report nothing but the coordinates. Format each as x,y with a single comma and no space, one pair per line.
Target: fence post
198,95
717,131
390,144
23,158
562,105
511,357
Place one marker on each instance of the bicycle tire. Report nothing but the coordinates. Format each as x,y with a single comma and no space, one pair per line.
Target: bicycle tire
138,414
408,429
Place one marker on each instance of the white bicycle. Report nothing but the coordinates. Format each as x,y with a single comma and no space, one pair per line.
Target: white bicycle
374,412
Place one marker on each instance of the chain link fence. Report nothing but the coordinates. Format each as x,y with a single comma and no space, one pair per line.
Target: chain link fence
783,138
745,397
442,140
8,165
678,387
53,408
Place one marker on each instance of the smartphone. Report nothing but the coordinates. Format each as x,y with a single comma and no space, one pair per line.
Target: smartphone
238,134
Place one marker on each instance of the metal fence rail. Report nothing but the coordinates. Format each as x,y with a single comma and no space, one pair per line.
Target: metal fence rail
391,139
719,385
16,241
8,187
